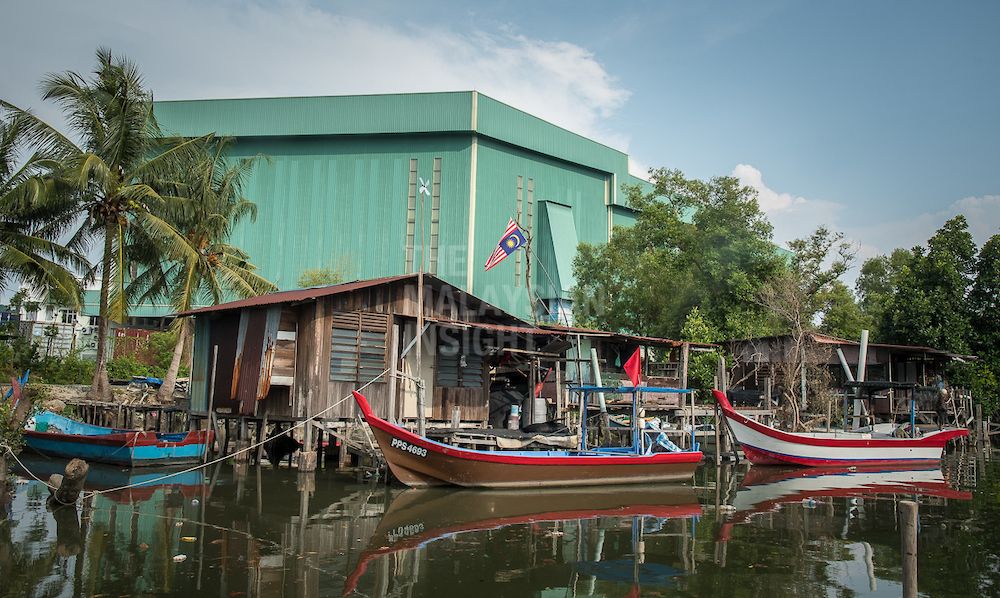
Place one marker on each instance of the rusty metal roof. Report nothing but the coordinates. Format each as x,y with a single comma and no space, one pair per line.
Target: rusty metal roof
298,295
622,336
495,327
829,339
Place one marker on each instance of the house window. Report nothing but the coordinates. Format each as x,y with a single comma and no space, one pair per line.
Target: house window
68,316
358,346
458,367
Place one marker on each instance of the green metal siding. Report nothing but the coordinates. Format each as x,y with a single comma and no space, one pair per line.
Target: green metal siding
622,216
323,115
341,202
556,248
333,189
581,189
500,121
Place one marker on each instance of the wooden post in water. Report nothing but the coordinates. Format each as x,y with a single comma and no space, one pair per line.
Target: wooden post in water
67,487
980,436
908,521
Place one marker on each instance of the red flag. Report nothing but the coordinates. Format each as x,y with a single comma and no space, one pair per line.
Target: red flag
633,367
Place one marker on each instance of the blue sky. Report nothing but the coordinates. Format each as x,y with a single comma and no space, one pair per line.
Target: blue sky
880,119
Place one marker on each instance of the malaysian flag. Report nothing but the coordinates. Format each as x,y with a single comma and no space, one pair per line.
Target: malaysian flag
512,240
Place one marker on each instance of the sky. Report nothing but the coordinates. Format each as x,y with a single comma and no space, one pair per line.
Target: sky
878,119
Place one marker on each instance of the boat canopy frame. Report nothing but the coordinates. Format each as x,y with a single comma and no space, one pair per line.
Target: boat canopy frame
585,392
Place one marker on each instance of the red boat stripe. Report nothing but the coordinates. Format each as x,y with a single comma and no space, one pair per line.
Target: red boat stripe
411,438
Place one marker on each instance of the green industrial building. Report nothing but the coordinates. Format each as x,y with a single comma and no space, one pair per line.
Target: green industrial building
341,187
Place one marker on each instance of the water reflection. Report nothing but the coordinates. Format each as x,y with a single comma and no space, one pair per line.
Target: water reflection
416,518
238,531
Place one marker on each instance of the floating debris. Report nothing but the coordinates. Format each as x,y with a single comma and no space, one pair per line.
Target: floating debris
180,558
188,538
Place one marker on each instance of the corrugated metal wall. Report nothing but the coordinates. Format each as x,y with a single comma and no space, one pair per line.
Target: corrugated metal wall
341,203
580,188
334,190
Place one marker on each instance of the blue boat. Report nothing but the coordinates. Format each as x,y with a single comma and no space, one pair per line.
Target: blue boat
58,436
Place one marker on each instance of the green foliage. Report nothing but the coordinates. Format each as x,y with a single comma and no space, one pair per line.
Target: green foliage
70,369
928,306
984,301
124,368
702,366
694,243
11,431
161,348
32,217
842,316
879,278
320,277
18,355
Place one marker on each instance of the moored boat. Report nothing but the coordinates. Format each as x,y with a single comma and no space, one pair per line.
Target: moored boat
765,445
418,461
58,436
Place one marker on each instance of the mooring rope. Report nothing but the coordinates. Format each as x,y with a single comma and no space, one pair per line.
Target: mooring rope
251,447
13,454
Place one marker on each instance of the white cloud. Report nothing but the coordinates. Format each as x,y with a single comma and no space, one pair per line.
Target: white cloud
638,169
191,49
795,216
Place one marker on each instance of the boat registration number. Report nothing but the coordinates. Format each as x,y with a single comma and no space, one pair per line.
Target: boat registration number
409,448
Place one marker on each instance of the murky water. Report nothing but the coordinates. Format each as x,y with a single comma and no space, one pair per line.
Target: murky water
732,533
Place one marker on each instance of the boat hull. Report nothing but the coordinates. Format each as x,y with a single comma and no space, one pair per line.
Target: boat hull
419,462
764,445
57,436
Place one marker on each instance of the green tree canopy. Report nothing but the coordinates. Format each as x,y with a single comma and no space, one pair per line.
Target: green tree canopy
880,277
929,306
115,173
694,243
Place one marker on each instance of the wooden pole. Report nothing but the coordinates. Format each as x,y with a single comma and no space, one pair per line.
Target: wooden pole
908,521
393,369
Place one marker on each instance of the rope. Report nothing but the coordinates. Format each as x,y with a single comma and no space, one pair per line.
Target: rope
13,454
302,423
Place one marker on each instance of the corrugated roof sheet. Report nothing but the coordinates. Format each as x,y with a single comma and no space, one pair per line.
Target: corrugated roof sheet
496,327
828,339
298,295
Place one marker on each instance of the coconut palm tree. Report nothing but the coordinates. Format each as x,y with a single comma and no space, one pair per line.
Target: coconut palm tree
116,172
32,218
216,271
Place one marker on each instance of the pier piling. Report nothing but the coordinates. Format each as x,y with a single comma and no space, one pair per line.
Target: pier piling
908,523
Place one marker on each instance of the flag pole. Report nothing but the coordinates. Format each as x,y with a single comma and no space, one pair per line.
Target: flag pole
421,400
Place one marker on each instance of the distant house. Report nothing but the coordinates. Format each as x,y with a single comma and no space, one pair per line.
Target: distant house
56,329
908,371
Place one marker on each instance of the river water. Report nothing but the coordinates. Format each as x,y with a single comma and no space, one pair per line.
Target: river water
273,532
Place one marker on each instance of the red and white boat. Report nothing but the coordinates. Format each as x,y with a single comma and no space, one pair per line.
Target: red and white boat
764,445
418,461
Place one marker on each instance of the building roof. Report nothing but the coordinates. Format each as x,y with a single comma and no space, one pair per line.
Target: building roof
313,293
298,295
828,339
621,336
380,114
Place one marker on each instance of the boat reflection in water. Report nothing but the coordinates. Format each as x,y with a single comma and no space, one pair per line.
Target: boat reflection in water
111,480
766,489
418,517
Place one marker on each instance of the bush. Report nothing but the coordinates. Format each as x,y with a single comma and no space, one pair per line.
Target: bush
125,368
71,369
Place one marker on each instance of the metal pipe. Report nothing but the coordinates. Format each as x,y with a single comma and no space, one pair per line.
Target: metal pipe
597,379
862,368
